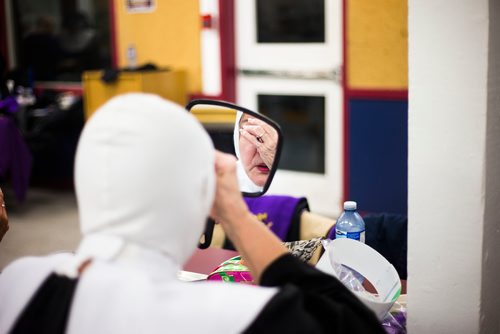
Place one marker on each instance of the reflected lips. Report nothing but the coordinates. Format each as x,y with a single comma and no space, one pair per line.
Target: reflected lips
263,168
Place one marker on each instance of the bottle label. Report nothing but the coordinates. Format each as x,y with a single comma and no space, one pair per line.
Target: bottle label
359,236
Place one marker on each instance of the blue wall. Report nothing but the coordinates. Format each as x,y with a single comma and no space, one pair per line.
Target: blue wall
378,155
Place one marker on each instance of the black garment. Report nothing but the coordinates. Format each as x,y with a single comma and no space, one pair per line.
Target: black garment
388,234
294,231
310,302
42,55
48,310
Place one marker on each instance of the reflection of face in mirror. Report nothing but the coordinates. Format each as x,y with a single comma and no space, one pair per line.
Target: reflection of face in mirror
252,138
255,145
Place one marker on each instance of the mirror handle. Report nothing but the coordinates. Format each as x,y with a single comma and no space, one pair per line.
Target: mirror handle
209,232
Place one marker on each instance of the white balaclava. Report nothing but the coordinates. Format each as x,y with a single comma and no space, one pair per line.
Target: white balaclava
246,184
144,174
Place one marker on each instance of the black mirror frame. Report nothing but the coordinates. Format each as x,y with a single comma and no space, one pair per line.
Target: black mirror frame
266,119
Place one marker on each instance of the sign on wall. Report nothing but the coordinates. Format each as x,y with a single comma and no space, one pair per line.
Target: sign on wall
140,6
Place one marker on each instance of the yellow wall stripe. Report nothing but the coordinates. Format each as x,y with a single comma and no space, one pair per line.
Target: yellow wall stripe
377,44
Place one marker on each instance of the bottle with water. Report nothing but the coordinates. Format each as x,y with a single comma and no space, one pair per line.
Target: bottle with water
350,224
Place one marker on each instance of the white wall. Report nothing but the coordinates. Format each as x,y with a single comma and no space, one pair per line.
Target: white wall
452,188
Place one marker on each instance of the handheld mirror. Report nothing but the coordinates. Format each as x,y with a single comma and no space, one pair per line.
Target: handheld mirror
253,138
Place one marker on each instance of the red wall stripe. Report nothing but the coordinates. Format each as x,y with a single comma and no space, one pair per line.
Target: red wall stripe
345,104
112,33
378,94
228,52
75,88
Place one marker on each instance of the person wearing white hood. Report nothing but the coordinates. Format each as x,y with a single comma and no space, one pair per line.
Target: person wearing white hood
143,199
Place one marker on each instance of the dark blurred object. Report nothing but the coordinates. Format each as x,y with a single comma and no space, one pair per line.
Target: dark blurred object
20,77
3,84
41,50
223,141
144,68
15,158
388,234
58,40
79,44
53,126
8,105
111,75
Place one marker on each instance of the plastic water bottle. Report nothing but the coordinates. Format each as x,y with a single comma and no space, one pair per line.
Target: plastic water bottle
350,224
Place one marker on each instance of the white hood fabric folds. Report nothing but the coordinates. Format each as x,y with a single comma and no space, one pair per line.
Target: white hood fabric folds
145,184
145,174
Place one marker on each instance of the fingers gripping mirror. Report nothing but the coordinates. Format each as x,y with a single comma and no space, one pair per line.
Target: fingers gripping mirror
253,138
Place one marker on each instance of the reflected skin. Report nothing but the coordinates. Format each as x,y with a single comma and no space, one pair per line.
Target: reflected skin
4,219
257,148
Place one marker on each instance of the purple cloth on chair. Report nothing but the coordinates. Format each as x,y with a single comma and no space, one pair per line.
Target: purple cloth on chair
274,211
15,157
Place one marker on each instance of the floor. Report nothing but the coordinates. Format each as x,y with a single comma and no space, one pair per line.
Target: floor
46,222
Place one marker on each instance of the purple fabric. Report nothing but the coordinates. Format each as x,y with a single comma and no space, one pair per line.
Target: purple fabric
15,157
274,211
331,235
10,104
395,323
